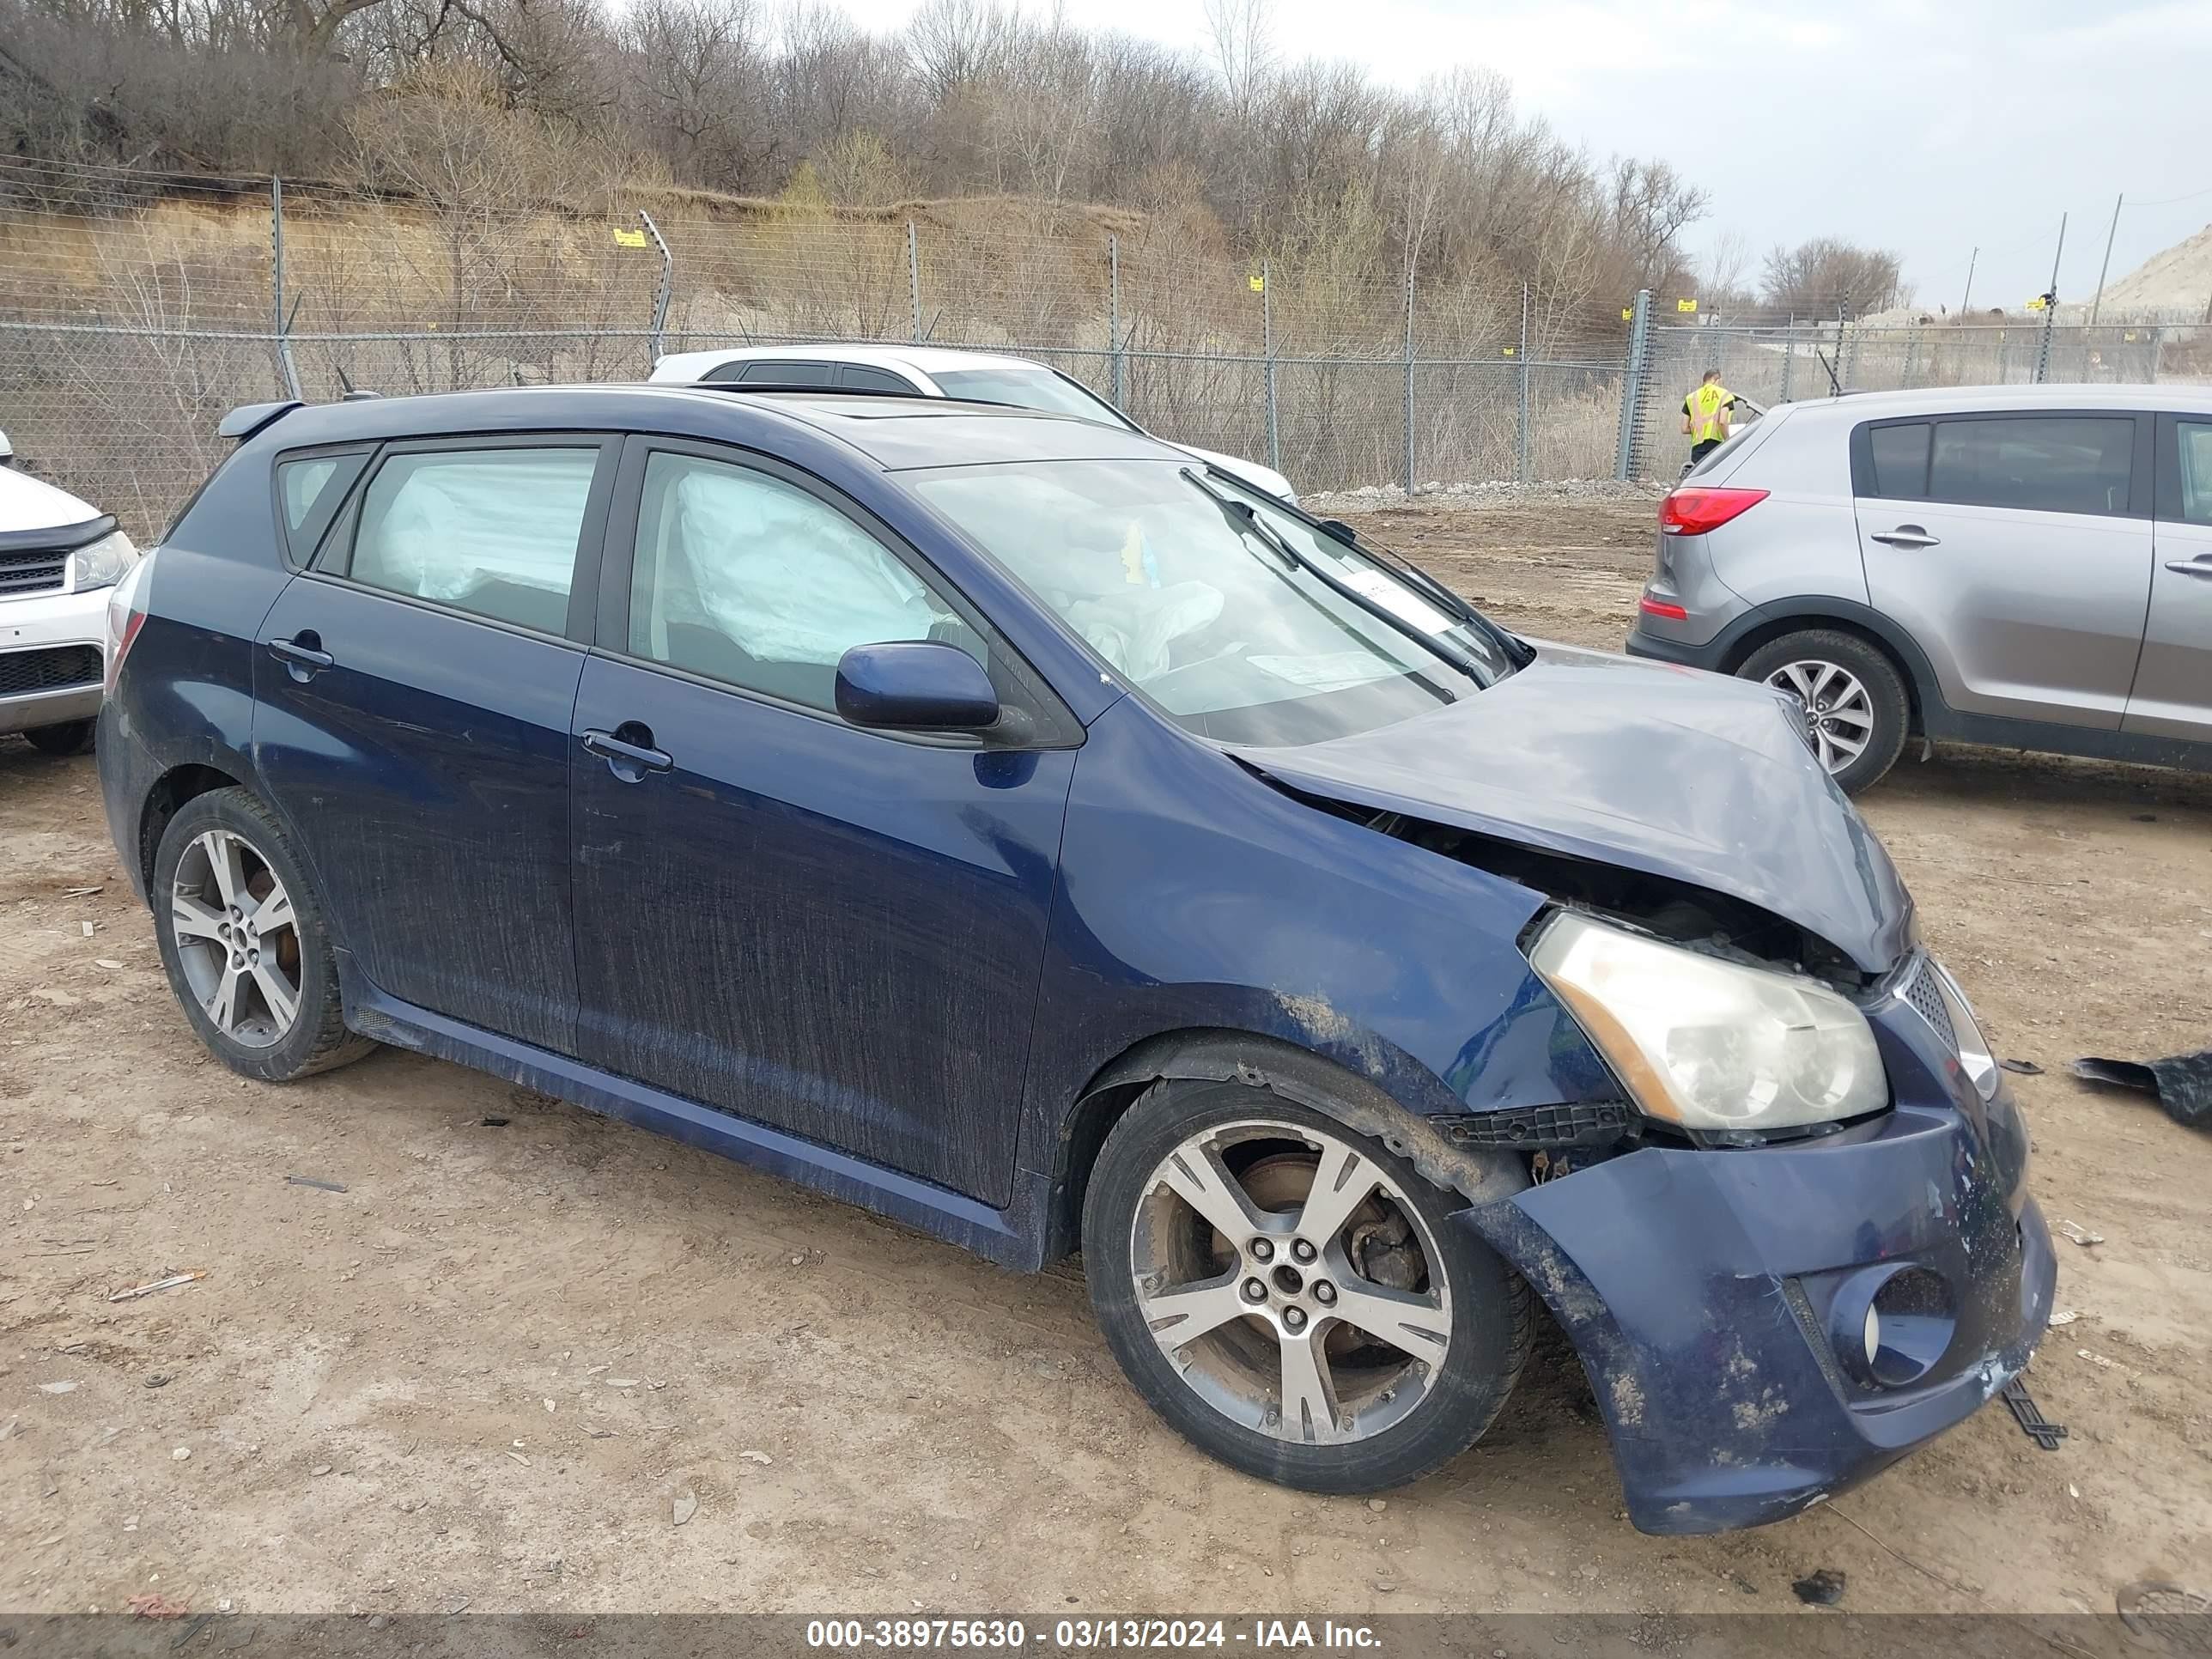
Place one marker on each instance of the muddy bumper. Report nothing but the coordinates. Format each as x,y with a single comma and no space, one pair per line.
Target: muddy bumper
1719,1302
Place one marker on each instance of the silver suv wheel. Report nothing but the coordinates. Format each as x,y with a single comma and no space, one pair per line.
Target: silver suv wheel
1837,708
1289,1283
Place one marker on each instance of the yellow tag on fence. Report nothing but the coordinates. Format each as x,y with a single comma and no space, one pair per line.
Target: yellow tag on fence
629,238
1259,284
1686,305
2037,303
1627,314
1511,350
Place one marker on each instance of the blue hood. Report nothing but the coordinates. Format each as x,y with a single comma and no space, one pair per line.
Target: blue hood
1672,771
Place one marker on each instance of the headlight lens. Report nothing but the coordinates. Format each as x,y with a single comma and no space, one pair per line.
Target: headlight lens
1710,1045
99,563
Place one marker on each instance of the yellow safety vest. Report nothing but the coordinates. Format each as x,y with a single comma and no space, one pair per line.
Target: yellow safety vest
1704,407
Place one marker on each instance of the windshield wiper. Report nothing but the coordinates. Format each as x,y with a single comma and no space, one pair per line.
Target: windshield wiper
1243,517
1518,650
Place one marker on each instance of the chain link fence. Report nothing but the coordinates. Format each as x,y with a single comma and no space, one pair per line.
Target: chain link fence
136,308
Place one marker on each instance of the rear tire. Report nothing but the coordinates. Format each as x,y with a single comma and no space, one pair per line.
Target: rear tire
245,941
69,737
1850,685
1343,1334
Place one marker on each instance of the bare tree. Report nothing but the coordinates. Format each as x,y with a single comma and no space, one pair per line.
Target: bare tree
1821,277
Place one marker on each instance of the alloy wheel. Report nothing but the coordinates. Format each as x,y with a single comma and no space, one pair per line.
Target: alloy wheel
1836,709
1289,1283
237,938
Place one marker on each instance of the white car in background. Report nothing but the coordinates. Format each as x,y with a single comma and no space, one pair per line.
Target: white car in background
58,557
981,377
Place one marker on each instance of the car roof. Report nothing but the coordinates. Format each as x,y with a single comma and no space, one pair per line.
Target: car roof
1963,399
897,434
927,360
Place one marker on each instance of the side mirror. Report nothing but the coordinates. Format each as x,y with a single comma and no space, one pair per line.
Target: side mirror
915,685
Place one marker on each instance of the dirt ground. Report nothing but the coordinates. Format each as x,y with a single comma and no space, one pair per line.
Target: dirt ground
490,1367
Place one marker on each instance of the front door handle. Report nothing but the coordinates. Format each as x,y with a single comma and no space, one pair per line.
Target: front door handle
1909,535
628,751
302,655
2200,566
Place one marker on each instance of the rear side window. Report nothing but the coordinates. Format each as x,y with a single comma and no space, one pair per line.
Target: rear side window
490,532
308,490
2043,462
1900,461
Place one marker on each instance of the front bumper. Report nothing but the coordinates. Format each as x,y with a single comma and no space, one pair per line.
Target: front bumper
44,621
1701,1290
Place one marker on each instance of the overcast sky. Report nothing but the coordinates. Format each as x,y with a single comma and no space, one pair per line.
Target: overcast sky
1926,127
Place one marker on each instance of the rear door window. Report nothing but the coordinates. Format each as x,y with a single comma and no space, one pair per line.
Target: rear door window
493,531
2041,463
1900,461
2195,474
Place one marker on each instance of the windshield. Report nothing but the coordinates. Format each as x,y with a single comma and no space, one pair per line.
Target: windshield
1241,622
1028,388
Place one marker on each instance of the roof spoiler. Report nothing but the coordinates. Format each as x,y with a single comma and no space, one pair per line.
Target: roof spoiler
248,419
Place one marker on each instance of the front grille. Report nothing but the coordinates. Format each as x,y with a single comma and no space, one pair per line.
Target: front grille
1925,993
53,670
32,570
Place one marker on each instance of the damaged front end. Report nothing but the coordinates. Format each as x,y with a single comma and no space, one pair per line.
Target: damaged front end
1763,1327
1783,1267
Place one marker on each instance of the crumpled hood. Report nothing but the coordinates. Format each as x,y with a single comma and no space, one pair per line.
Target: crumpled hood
1668,770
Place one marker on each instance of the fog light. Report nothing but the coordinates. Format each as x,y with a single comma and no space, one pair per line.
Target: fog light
1891,1325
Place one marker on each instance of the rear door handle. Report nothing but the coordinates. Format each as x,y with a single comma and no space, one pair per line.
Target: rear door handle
629,761
2200,566
1909,535
303,655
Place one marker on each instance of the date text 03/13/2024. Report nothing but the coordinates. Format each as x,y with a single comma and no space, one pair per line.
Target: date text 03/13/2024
1085,1635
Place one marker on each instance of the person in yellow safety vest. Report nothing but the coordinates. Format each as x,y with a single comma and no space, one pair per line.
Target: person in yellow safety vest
1706,414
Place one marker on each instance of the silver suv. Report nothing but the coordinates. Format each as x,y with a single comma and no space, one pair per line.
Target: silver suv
2029,567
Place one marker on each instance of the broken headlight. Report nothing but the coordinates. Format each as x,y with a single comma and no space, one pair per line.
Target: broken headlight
1708,1044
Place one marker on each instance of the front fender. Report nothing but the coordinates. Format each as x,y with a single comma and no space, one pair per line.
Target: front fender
1193,896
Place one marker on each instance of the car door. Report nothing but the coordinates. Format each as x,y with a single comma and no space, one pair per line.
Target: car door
2172,694
2016,548
834,930
413,690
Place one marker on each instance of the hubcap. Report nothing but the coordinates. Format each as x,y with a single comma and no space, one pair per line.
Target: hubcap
1836,708
1289,1283
237,939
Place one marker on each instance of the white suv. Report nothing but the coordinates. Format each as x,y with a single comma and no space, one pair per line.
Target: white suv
981,377
57,557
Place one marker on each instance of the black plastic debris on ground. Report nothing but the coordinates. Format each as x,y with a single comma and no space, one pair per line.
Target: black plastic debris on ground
2025,1068
2029,1415
317,1182
2182,1083
1823,1588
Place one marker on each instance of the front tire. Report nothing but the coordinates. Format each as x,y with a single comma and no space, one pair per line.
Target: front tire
245,942
69,737
1293,1297
1852,694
